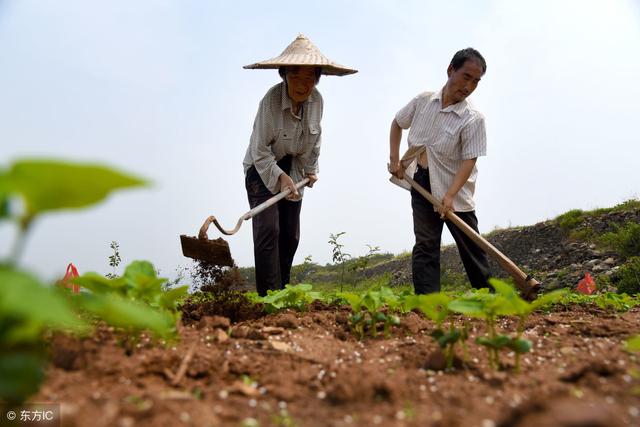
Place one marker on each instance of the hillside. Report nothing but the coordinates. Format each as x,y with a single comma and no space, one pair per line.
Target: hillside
557,252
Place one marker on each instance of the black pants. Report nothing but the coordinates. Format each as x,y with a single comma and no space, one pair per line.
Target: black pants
276,232
427,227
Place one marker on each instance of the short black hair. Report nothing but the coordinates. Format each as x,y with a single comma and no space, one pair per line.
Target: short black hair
283,72
468,54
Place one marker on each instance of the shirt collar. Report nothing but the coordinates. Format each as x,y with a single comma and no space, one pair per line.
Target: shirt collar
459,108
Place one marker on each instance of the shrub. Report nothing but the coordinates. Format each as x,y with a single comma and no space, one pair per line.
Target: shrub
625,239
629,277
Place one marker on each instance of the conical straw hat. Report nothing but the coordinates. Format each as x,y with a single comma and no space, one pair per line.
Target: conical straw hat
302,52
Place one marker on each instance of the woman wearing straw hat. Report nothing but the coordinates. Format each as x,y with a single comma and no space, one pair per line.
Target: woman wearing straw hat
284,149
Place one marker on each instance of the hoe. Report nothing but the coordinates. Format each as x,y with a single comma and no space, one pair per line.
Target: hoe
527,285
217,251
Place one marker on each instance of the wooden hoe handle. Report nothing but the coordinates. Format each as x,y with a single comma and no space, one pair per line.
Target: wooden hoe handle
527,285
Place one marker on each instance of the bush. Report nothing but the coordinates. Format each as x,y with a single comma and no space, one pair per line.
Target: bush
625,240
629,277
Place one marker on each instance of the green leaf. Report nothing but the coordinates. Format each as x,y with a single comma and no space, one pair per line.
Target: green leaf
468,307
435,306
126,314
497,343
97,283
32,307
356,318
520,345
549,298
633,344
48,185
513,304
354,300
380,317
450,337
169,298
21,373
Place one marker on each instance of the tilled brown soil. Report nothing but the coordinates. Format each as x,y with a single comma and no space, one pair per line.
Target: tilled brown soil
306,369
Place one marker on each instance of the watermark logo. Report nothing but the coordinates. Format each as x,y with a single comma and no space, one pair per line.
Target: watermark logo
31,415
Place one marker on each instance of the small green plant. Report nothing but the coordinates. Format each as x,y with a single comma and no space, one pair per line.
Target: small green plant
296,297
114,259
436,307
367,311
338,255
488,306
140,286
522,309
27,310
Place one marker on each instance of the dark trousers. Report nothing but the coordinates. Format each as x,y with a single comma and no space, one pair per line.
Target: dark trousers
276,232
427,227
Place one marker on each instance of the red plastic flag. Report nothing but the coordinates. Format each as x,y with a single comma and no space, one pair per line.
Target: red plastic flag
72,272
586,285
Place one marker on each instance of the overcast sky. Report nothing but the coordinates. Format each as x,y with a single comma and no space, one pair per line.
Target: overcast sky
157,88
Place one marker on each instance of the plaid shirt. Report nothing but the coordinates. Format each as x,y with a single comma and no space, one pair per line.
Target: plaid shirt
278,132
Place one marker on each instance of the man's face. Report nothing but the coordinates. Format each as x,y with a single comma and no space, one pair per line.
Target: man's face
300,82
463,81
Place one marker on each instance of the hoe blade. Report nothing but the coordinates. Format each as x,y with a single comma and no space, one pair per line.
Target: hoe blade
213,251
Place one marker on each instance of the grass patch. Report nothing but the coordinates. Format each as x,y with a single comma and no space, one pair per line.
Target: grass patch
570,220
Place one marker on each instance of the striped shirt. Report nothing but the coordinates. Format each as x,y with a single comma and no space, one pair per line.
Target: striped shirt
278,132
451,135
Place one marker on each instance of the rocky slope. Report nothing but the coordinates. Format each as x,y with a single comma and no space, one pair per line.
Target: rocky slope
556,252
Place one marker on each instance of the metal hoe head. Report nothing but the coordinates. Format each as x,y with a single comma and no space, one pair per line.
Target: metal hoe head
202,249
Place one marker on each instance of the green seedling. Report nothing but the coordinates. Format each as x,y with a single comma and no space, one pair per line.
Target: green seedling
135,299
436,307
296,297
505,302
484,305
367,311
338,255
28,308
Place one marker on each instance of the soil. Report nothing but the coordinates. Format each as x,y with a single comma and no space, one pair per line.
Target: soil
307,369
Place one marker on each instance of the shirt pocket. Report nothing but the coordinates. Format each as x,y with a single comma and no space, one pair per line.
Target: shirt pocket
314,131
446,142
